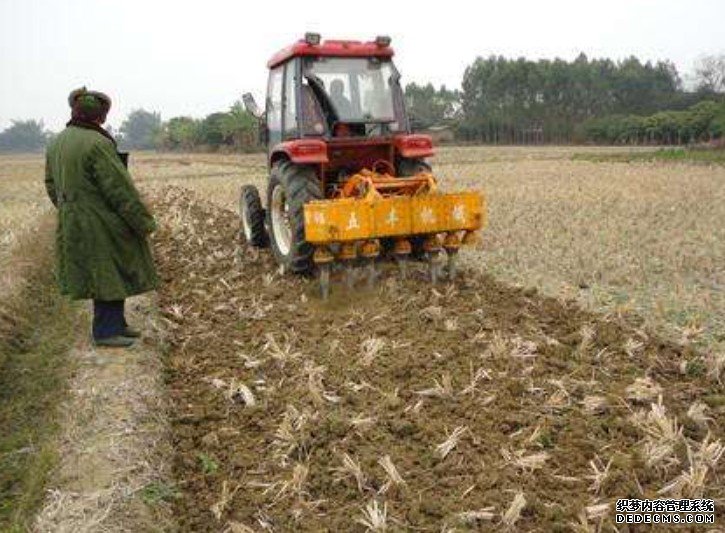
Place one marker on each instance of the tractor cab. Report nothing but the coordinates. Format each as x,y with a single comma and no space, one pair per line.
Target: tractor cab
339,96
339,105
348,181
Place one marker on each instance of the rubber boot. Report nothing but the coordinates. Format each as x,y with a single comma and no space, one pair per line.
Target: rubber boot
117,341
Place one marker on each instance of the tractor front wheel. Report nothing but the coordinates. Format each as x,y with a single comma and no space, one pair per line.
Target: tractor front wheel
411,167
252,215
290,188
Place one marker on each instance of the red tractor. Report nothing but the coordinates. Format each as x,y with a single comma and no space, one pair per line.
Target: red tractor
347,177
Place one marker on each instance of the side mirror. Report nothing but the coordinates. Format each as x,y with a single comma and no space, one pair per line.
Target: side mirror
251,105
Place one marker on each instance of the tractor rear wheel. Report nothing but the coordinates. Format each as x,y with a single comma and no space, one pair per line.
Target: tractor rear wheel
290,188
252,215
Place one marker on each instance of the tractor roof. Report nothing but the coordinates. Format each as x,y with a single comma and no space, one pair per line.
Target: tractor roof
331,48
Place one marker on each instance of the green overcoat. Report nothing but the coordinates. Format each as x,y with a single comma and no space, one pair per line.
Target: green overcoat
101,242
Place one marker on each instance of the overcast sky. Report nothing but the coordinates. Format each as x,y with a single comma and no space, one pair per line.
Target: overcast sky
193,58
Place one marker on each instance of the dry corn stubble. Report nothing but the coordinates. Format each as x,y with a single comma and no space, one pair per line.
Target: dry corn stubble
22,198
370,413
644,237
616,237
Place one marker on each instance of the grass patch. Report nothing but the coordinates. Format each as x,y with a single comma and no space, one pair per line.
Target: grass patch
37,328
208,464
685,155
157,492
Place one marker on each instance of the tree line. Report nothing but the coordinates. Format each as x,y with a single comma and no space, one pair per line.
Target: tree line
702,122
24,136
517,101
501,101
520,101
234,129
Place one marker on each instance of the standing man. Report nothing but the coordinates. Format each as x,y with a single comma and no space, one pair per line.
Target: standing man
101,242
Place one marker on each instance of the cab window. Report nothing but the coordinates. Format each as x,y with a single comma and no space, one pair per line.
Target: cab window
290,100
274,106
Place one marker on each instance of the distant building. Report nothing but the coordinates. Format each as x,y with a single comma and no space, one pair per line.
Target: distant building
441,134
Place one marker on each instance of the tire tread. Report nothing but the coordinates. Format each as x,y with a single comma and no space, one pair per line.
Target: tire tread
301,185
249,196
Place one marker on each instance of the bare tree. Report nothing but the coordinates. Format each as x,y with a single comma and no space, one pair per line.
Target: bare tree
710,73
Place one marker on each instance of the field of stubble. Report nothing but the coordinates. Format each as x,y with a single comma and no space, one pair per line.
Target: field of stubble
578,360
644,237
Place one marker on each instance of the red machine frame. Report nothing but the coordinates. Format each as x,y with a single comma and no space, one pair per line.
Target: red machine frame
321,151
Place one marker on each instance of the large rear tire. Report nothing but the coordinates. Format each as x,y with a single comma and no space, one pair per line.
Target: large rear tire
290,188
252,215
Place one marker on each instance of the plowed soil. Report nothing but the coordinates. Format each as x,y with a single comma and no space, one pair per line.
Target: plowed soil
465,405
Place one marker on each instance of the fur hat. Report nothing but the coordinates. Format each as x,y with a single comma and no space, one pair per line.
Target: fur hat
86,97
89,106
